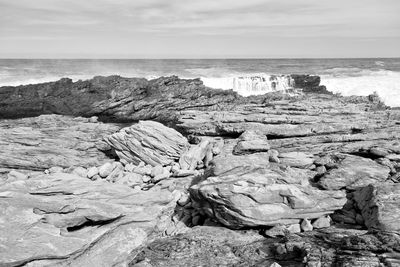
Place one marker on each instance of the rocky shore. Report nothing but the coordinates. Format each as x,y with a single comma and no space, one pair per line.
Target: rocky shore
129,172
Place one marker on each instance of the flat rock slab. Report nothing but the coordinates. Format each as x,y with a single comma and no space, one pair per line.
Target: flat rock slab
354,172
380,206
46,141
71,219
149,142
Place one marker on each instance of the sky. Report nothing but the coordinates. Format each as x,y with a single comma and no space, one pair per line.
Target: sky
199,28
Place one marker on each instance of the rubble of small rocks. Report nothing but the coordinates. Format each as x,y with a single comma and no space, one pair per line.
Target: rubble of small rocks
216,179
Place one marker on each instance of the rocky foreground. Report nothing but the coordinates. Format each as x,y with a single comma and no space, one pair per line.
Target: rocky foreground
129,172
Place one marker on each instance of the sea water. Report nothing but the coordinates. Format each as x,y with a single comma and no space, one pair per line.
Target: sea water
247,76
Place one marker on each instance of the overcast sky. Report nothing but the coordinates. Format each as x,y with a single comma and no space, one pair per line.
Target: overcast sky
199,28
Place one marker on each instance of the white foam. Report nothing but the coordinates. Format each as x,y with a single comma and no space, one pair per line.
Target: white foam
385,83
255,84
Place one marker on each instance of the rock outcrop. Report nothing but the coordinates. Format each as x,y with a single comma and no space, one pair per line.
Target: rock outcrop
263,197
353,172
315,175
148,142
52,140
379,206
65,219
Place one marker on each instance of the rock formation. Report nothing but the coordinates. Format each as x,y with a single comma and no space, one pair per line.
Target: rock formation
305,180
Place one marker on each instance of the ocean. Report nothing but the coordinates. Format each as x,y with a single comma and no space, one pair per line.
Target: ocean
345,76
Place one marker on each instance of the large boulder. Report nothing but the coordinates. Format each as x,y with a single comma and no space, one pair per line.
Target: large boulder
380,206
149,142
66,219
46,141
263,196
353,172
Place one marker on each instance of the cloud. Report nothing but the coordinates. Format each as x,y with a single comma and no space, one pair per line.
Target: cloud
146,20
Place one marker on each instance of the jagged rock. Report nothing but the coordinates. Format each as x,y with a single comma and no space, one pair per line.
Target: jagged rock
190,159
184,199
59,217
273,156
149,142
106,169
296,159
353,172
285,198
46,141
322,222
380,206
251,142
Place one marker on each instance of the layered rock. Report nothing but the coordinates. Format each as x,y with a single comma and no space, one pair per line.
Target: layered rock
149,142
354,172
379,205
65,219
249,191
52,140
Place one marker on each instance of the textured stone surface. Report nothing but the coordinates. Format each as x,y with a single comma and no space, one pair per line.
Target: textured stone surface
51,140
149,142
268,197
251,142
353,172
380,206
67,218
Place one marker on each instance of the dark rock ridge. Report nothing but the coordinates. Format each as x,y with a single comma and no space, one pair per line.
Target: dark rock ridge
116,98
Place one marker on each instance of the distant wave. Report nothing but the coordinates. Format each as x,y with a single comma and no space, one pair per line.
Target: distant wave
385,83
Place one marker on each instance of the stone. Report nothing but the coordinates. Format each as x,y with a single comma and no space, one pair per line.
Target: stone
77,221
273,156
321,170
296,159
106,169
15,176
380,206
183,200
251,142
39,143
275,265
157,170
322,222
143,170
149,142
96,177
379,151
56,169
294,228
92,171
80,171
306,225
146,178
190,159
354,172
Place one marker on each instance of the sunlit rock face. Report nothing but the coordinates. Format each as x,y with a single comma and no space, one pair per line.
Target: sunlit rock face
257,85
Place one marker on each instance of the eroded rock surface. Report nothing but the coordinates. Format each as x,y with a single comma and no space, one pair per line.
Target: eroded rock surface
46,141
74,220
